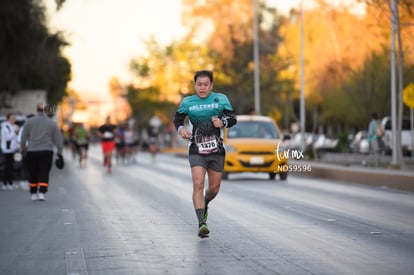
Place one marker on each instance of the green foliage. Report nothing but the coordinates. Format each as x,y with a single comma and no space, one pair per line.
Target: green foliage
365,91
145,103
33,59
345,82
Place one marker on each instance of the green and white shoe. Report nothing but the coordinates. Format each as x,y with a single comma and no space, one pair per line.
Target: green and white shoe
203,230
205,214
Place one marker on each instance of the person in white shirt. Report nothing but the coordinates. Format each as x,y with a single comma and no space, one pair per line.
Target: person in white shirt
9,148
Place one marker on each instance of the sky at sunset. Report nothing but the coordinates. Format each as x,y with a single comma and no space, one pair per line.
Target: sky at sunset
106,34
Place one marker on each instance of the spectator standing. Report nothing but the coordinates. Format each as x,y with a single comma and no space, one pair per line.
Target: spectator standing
39,137
9,148
375,137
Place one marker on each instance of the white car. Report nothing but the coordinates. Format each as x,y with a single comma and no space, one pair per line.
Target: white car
322,142
406,135
360,143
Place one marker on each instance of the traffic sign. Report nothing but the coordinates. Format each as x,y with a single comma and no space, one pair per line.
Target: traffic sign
408,95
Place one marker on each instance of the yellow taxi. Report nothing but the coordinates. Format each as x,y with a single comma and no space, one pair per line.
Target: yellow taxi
253,145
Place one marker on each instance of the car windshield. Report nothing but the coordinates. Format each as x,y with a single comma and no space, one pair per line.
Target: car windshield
406,124
253,129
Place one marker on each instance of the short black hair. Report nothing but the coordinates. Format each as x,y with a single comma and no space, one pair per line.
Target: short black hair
207,73
41,107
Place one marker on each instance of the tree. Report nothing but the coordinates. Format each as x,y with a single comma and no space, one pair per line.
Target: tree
227,27
400,17
336,45
220,23
122,108
145,103
170,68
34,59
364,91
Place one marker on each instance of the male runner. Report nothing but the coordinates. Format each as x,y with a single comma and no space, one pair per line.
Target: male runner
205,109
107,134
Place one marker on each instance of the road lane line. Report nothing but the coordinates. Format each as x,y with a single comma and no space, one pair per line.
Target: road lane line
75,262
68,217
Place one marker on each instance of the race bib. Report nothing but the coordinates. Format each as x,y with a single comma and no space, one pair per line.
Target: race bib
108,134
207,145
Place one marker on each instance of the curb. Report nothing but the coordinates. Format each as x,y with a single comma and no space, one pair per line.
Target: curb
395,179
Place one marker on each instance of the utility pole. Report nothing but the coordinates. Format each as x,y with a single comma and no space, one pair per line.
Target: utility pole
394,160
302,79
256,58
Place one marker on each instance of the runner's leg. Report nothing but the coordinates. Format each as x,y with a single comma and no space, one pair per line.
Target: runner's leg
214,181
198,175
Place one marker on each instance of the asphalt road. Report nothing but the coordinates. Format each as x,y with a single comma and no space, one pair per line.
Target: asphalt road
140,220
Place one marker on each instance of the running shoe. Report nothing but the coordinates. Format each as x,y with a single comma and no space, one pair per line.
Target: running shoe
205,214
203,230
34,197
41,196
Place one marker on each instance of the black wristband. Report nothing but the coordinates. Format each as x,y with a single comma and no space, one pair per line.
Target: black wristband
224,122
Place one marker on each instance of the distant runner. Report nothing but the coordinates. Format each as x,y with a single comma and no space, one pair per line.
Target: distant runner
107,135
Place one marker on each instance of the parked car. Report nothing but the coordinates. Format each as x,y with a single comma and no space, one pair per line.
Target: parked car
294,141
322,143
406,135
360,143
251,146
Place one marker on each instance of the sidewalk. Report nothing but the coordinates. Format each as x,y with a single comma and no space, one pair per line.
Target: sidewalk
330,168
382,177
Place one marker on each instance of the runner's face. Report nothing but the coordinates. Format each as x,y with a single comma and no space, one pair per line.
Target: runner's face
203,86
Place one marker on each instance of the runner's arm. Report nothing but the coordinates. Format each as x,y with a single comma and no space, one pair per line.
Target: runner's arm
99,132
229,119
179,120
179,124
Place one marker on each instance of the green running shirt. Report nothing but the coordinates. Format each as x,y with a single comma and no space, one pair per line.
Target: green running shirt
200,110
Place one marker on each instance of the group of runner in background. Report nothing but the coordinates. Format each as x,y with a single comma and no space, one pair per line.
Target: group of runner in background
120,142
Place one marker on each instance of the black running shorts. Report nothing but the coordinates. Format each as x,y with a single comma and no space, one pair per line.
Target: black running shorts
213,162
